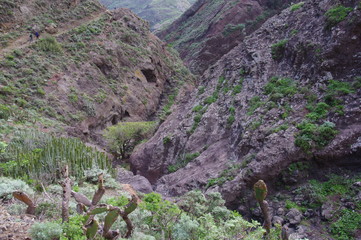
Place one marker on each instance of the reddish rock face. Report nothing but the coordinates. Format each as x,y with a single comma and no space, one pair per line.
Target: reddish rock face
238,119
210,29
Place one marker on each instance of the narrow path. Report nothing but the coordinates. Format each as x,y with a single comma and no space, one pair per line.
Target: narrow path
23,41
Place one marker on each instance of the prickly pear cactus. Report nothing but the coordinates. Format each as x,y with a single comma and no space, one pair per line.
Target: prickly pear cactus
92,229
260,190
110,218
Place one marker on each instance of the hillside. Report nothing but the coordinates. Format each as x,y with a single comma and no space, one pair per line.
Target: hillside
159,13
91,68
283,106
210,29
105,134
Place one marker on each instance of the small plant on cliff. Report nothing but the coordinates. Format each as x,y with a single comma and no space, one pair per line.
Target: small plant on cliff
297,6
123,137
336,14
183,161
314,136
278,49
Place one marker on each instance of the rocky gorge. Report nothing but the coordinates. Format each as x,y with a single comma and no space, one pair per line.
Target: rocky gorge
275,96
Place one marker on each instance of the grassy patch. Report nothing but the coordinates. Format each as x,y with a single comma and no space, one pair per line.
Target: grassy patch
296,6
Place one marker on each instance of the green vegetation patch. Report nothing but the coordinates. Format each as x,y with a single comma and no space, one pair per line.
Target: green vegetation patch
312,135
278,88
226,175
278,49
254,103
297,6
345,227
182,161
38,155
49,44
336,15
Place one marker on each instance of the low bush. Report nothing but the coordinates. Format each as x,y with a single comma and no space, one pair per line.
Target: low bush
46,231
312,135
344,228
49,44
9,185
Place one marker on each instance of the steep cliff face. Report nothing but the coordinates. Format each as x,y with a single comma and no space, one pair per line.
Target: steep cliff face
89,69
158,13
289,93
210,29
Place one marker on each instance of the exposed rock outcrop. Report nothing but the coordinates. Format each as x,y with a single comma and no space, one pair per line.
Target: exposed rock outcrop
210,29
233,121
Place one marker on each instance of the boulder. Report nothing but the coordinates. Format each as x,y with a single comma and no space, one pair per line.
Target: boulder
139,183
294,216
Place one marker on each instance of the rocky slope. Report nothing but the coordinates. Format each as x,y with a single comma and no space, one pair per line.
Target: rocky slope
210,29
91,68
289,93
158,12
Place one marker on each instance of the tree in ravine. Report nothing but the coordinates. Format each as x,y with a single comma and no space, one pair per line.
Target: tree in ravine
124,136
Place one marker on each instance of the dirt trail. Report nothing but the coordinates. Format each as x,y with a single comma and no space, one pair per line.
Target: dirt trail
23,41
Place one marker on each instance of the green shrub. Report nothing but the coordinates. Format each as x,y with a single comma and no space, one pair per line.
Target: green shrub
279,88
319,112
197,108
9,185
5,112
49,44
336,14
166,140
296,6
45,231
124,136
313,135
254,103
344,228
210,100
278,49
49,210
73,229
119,201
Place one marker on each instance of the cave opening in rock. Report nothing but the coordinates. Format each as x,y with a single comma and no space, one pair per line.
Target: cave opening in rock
149,75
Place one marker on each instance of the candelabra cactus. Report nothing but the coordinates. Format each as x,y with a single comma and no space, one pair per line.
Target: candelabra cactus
260,192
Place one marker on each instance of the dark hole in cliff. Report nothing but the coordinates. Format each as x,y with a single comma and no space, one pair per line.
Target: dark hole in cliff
149,75
126,114
115,119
